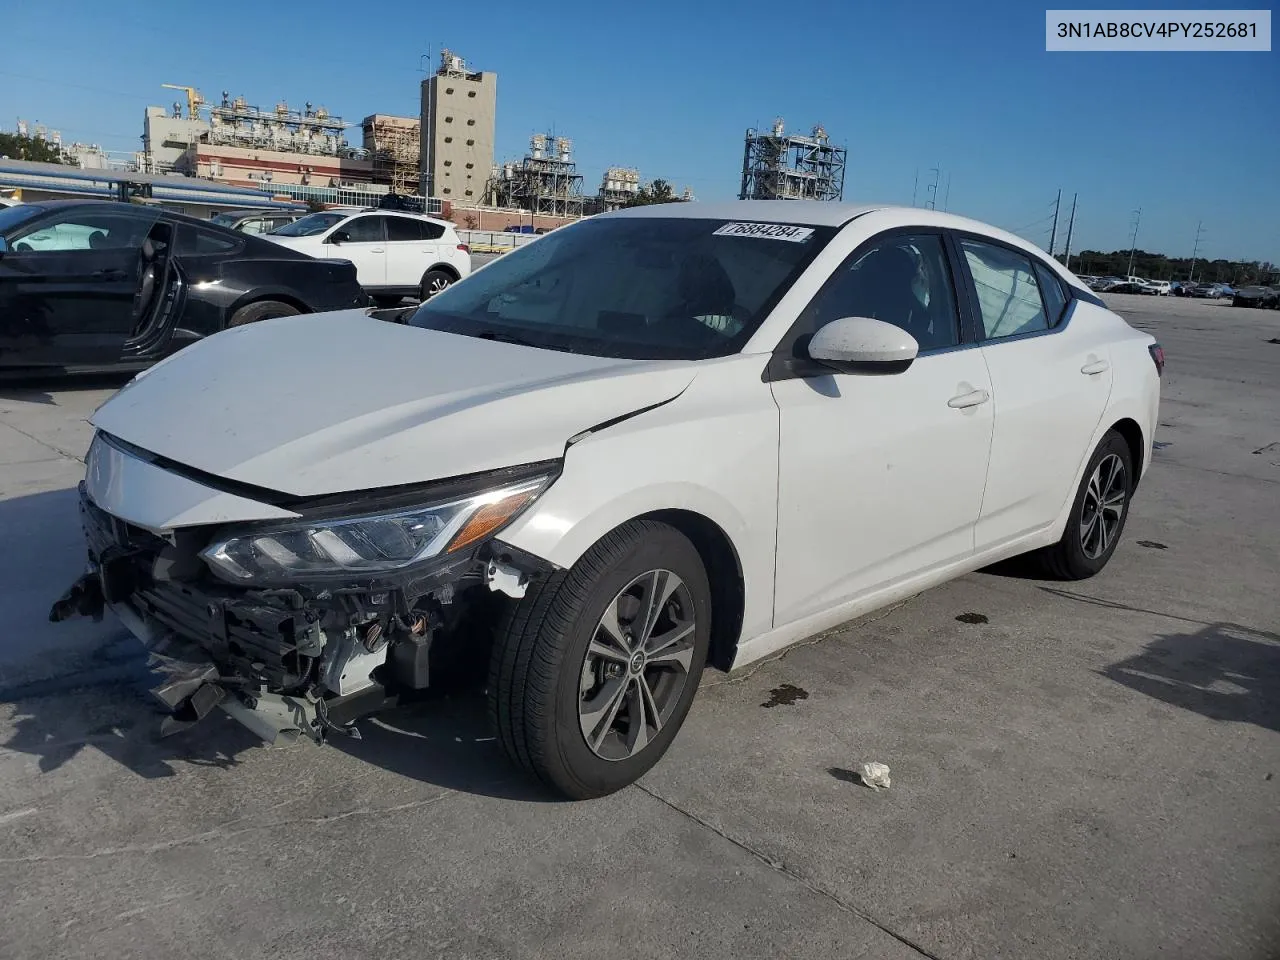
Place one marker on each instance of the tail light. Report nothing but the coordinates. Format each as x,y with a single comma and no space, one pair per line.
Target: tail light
464,248
1157,357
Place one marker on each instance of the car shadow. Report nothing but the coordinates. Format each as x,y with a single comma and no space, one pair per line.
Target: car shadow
1223,671
41,389
444,740
80,685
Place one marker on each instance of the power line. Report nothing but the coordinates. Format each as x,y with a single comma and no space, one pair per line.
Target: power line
1034,223
77,86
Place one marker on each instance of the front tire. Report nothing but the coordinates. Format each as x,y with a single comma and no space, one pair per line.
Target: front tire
595,668
434,282
1098,514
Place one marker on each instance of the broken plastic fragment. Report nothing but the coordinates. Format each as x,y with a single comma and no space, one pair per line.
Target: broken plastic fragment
874,775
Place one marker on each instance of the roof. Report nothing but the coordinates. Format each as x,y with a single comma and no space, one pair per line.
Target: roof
814,213
821,213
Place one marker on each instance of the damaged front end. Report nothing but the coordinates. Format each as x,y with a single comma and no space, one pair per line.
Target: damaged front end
301,627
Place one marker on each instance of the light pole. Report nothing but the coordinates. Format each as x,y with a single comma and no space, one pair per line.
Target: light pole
1066,260
1195,250
1133,242
1053,232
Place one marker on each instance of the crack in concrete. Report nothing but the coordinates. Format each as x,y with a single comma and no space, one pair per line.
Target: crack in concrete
223,833
782,868
61,454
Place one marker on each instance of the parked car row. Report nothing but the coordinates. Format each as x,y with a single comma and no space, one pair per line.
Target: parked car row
1161,288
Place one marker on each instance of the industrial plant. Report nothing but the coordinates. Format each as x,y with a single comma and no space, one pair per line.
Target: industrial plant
781,166
443,159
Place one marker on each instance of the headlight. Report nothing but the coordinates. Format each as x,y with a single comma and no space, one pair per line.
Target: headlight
374,544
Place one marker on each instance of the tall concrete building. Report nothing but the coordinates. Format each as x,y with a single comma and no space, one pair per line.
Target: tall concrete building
459,110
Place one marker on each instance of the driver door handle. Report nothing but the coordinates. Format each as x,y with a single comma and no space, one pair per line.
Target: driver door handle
970,399
377,250
1095,367
111,274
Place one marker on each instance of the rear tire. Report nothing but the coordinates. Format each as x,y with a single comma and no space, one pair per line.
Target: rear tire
1097,516
434,282
262,310
589,708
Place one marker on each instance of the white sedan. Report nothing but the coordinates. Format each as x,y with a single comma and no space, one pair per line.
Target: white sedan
673,435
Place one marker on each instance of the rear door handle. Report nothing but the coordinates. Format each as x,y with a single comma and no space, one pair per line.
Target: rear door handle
1095,367
111,274
970,399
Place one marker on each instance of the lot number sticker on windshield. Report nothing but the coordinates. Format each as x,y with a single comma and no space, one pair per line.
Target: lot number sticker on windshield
766,231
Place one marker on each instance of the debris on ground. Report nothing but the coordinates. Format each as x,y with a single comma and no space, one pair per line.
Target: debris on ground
874,775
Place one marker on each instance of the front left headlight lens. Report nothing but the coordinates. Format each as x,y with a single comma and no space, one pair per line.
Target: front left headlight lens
374,544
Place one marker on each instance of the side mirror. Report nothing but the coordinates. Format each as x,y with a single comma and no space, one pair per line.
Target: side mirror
4,246
339,236
863,345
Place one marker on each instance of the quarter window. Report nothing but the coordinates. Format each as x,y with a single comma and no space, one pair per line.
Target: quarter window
1008,294
195,241
402,229
1055,298
903,280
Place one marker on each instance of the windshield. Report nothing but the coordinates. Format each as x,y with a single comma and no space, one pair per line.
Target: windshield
225,219
638,288
309,225
11,217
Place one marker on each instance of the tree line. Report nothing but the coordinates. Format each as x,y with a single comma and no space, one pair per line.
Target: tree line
1157,266
17,147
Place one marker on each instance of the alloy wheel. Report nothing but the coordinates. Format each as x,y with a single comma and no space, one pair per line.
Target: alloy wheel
637,665
436,285
1103,507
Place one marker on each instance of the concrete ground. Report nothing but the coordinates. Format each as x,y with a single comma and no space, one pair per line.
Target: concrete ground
1079,770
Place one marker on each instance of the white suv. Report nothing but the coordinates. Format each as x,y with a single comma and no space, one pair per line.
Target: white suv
396,254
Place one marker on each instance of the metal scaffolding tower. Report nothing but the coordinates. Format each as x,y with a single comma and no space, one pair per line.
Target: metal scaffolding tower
780,166
394,144
545,181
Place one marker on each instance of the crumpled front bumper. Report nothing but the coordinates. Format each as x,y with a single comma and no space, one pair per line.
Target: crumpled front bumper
283,662
189,684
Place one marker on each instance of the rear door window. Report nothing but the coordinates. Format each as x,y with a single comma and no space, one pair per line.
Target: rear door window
1008,295
363,230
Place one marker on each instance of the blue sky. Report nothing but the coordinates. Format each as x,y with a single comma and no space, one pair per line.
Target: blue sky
670,87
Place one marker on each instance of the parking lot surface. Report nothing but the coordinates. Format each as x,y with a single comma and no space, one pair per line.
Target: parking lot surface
1079,770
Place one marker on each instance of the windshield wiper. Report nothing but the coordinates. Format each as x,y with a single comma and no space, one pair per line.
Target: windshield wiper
505,338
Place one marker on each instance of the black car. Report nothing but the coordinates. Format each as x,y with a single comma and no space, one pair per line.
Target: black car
95,285
1262,297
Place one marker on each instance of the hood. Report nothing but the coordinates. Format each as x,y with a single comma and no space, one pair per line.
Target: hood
330,403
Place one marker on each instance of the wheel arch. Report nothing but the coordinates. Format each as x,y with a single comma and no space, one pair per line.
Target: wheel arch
259,296
443,267
1129,428
724,575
